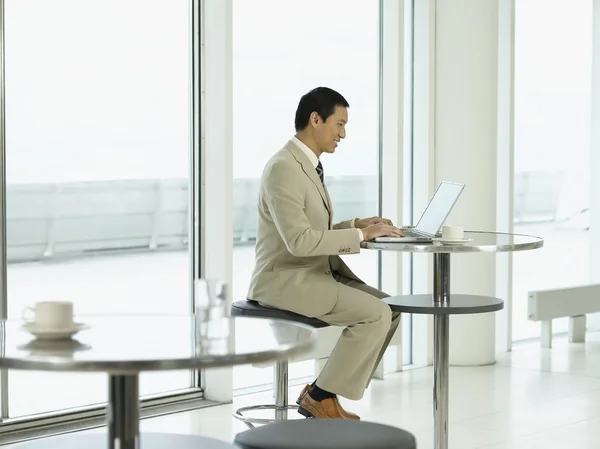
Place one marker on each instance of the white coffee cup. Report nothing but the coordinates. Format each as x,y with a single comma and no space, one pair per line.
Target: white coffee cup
456,232
50,314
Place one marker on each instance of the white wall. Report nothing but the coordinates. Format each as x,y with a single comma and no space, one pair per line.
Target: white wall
457,132
465,151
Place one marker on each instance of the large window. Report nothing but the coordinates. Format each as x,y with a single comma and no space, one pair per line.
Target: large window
98,173
553,67
281,51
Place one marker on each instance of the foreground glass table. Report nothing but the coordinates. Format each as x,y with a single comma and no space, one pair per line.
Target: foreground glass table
441,304
127,345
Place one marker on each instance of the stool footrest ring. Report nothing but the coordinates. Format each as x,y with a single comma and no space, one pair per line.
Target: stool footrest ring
239,413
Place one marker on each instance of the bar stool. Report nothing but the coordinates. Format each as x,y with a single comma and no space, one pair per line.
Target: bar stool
252,309
325,434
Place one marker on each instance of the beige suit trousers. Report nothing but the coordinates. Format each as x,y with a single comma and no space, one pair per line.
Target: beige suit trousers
370,325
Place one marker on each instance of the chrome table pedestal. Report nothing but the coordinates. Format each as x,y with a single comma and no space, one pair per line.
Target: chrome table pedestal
123,411
441,338
445,305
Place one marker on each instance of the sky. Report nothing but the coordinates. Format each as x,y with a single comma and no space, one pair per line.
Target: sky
99,89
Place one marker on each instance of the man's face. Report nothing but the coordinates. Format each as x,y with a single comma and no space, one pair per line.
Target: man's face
330,132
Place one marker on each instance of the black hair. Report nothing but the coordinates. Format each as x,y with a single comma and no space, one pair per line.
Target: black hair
321,100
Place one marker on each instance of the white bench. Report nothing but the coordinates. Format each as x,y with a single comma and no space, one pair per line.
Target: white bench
572,302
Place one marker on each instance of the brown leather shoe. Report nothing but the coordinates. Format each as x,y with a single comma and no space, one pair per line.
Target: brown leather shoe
325,409
345,413
302,393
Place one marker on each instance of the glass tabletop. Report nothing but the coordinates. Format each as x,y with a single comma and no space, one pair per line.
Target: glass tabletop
478,241
131,344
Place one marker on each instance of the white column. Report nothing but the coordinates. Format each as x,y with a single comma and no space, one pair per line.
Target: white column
217,153
393,154
3,252
505,168
422,161
466,123
594,320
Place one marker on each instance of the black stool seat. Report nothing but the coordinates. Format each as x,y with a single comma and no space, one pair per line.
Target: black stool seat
325,434
252,309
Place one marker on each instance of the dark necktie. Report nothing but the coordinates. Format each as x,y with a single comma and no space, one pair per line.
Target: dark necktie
320,172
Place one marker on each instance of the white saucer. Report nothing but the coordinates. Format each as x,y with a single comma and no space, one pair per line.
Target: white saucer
455,242
53,334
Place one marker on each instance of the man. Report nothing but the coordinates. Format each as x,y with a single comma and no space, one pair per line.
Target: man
298,267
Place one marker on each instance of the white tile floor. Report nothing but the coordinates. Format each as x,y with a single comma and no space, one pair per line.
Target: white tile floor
531,399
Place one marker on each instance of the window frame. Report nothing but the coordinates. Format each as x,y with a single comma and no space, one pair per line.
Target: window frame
396,27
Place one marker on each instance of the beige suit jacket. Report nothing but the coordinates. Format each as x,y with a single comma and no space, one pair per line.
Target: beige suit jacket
297,245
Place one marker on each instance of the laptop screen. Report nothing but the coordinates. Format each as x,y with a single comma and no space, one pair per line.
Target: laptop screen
439,207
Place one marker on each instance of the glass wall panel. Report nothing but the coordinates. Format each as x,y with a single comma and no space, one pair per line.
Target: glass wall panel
98,139
283,49
553,69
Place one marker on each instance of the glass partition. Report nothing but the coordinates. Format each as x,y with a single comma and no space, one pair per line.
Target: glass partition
98,170
553,79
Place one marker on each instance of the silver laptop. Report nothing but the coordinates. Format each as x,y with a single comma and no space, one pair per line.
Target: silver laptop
433,218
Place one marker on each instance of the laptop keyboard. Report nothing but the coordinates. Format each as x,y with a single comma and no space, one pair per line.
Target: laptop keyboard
413,234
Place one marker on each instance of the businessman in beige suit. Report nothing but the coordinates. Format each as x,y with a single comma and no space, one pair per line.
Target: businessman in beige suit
298,265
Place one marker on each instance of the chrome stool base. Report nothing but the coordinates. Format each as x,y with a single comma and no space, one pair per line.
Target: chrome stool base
281,414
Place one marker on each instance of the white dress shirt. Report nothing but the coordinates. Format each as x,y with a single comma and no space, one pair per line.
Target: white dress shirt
315,161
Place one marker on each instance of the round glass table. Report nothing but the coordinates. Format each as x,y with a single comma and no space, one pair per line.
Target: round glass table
125,346
441,304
